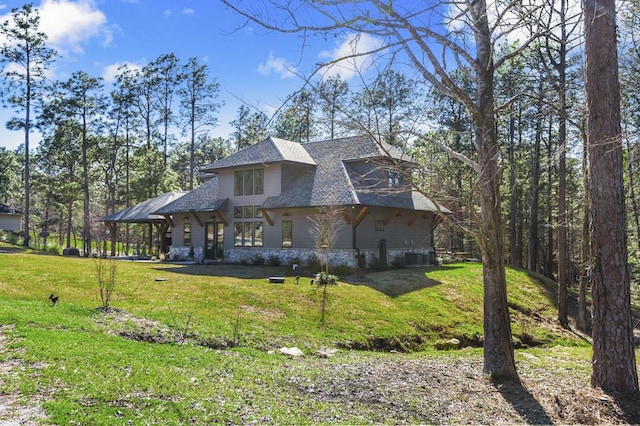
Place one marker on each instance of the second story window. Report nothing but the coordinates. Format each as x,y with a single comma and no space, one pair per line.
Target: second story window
394,178
248,182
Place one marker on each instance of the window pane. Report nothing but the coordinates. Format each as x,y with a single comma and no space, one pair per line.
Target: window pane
257,211
248,182
257,234
287,232
237,234
259,176
187,234
237,212
238,183
210,241
248,233
248,212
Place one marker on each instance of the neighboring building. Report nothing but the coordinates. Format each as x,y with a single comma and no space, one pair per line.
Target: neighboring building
261,199
10,218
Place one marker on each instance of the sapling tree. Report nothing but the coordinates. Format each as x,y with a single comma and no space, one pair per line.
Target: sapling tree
325,227
106,272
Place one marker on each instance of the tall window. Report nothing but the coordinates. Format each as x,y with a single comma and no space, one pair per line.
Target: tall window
187,234
237,234
259,181
248,182
287,233
247,235
247,232
238,183
257,234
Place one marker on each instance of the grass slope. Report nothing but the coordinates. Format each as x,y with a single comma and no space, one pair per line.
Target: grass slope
83,365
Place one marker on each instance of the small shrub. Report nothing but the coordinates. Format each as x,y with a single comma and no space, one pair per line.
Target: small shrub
257,259
322,278
376,264
106,272
398,262
53,249
274,260
313,263
342,269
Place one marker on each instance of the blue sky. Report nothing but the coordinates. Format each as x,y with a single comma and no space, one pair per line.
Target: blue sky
251,65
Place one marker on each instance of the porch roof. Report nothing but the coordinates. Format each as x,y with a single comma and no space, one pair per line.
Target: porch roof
144,212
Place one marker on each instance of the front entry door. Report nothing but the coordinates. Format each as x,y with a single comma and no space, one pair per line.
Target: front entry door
214,242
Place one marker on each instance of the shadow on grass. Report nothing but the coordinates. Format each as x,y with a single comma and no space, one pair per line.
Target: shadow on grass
524,403
225,270
398,282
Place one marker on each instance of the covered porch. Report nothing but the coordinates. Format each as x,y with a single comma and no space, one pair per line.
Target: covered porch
143,213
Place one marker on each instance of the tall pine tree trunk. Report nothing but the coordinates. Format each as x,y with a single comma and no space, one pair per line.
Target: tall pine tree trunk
614,364
499,359
534,201
563,255
584,317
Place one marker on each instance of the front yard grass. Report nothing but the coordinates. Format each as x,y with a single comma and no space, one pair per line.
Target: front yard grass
198,343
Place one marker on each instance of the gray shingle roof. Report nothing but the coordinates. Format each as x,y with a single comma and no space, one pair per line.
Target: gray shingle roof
270,150
144,211
202,199
334,182
4,209
329,180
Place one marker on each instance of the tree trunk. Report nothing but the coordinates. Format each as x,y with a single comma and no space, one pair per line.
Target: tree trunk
563,255
499,359
584,318
85,186
513,208
614,365
27,166
532,259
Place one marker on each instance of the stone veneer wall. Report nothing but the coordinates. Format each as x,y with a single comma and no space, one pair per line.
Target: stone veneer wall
287,256
182,253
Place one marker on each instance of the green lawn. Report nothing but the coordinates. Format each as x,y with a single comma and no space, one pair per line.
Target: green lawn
158,356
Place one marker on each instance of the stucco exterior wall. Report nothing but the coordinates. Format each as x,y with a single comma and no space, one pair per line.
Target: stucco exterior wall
11,222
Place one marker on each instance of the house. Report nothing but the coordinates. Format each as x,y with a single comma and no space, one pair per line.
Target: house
10,219
262,200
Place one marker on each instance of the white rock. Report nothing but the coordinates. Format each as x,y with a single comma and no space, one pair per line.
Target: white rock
294,351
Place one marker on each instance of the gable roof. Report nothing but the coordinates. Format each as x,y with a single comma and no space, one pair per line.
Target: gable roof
144,211
334,182
203,198
270,150
4,209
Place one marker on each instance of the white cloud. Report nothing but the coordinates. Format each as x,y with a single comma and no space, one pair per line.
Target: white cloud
110,72
188,11
278,66
70,25
167,13
352,55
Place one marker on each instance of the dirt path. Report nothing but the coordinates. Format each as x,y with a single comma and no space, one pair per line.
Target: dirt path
14,410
